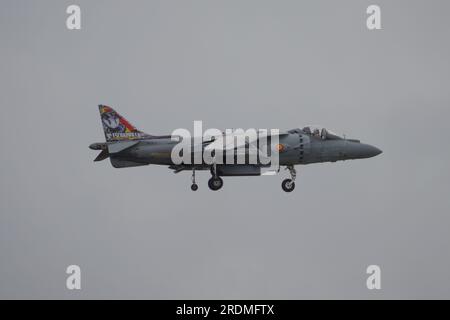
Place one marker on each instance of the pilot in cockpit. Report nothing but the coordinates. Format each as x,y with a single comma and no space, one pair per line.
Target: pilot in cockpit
316,133
307,130
320,132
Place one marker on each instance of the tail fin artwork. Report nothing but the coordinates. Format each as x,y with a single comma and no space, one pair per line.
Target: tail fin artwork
117,128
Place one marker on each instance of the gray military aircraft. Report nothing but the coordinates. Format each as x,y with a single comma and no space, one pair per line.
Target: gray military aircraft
128,147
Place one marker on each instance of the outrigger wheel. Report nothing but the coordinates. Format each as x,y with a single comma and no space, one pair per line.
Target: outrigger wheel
194,186
215,183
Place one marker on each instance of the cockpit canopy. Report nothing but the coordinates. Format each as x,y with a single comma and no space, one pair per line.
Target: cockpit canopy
320,132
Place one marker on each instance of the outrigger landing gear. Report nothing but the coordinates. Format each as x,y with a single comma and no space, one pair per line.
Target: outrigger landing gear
216,182
194,186
288,185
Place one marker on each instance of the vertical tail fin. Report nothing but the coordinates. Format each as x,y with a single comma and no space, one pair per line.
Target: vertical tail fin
117,128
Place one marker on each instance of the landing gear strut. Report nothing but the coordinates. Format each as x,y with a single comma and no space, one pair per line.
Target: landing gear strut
216,182
194,186
288,185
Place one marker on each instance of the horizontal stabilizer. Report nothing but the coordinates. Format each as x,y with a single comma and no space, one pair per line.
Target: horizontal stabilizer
102,156
119,146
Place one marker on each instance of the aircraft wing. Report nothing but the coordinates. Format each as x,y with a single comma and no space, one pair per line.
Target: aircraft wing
238,140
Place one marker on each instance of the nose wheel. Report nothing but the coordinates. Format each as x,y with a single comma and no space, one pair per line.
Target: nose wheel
288,185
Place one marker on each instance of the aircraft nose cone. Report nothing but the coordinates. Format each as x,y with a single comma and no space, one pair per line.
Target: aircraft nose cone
375,151
368,151
361,151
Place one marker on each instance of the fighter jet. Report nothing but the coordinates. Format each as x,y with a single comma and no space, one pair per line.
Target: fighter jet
126,146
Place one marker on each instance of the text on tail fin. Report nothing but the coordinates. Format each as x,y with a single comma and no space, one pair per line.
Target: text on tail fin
116,127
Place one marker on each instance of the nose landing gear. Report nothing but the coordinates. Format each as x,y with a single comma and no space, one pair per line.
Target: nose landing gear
288,185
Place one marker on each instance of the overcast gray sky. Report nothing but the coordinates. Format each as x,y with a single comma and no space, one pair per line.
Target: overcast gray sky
141,232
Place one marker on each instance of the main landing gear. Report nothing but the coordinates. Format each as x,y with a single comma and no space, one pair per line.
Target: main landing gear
216,182
288,185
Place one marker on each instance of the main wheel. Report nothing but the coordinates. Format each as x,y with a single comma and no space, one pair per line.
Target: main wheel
215,183
194,187
288,185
